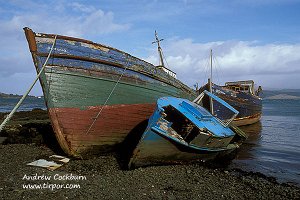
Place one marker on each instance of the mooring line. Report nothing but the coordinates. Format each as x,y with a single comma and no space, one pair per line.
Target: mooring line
97,116
30,88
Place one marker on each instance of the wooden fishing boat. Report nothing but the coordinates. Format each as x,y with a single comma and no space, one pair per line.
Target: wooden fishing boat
183,131
239,94
95,94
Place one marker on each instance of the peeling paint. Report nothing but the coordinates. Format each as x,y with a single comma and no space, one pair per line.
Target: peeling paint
93,46
78,80
175,134
44,40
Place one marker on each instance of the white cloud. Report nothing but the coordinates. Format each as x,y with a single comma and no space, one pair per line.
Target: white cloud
233,60
82,8
273,65
86,21
83,21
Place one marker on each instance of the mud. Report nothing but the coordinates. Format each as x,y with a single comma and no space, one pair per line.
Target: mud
30,137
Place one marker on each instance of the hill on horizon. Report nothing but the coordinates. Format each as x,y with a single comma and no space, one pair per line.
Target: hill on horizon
287,92
3,95
283,96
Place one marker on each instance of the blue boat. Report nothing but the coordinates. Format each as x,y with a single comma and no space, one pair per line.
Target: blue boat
183,131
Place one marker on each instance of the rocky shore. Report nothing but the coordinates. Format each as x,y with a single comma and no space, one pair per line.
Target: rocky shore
29,137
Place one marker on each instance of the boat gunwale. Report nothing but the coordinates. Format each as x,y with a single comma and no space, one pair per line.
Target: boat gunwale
177,83
52,36
30,35
94,77
192,146
244,121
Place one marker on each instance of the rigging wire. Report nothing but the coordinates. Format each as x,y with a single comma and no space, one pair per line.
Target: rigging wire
206,69
165,59
217,66
112,91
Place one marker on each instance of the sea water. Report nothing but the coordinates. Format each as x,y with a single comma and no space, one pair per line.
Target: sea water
273,146
7,104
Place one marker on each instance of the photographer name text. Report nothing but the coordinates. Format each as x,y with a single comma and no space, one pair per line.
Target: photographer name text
59,177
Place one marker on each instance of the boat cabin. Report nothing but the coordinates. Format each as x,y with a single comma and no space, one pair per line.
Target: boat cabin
241,86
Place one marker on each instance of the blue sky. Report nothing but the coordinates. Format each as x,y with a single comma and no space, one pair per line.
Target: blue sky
251,39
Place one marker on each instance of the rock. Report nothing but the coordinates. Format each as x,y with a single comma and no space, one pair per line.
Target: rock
2,139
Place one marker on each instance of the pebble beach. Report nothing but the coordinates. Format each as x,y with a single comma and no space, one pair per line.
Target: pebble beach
29,137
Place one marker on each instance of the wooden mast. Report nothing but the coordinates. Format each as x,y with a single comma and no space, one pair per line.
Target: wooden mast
210,85
159,49
211,66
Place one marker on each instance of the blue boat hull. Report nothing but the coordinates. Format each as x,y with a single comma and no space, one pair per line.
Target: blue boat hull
158,150
182,132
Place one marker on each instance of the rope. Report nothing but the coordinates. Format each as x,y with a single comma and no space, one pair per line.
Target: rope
30,88
165,59
97,116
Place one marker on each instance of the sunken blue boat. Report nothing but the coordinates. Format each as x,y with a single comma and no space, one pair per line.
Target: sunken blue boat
183,131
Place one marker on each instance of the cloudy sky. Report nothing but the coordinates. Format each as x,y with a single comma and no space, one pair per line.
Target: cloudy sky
250,39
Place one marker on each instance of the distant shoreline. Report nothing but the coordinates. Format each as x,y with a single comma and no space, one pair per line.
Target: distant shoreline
3,95
283,97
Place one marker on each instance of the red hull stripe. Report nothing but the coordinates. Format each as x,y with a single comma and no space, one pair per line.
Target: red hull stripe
112,126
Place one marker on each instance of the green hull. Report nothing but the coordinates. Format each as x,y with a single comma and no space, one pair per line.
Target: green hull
96,94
